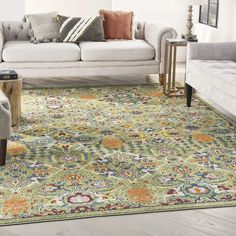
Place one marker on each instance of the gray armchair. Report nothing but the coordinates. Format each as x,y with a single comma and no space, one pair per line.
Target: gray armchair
5,126
211,71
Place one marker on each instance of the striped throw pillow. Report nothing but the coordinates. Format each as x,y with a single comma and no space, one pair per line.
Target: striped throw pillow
78,29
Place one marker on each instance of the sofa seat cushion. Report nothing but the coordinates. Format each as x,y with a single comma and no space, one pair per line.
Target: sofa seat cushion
118,50
218,74
24,51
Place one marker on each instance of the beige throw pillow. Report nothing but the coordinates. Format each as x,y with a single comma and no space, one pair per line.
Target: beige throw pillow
45,26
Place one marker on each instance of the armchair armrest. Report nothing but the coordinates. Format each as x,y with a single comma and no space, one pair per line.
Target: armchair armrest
1,41
156,35
212,51
5,117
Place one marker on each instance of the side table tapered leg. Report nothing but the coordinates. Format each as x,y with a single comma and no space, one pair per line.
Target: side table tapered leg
189,94
3,152
174,68
169,71
165,68
170,88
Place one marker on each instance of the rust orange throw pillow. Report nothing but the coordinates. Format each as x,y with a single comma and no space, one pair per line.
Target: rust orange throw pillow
117,24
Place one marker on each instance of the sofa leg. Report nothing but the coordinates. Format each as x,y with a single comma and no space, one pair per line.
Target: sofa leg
3,152
161,79
189,94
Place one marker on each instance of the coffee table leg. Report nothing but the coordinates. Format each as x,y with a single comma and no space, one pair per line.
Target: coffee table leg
3,152
12,90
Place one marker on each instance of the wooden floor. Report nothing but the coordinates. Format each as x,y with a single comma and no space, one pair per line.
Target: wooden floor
208,222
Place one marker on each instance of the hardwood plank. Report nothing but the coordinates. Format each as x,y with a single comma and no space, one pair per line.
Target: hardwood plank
184,223
227,214
197,221
92,227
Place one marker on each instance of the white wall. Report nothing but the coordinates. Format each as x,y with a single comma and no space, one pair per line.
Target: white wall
226,25
67,7
164,11
12,10
174,14
170,12
233,24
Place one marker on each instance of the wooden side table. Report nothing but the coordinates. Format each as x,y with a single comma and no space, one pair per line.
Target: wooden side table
170,89
13,89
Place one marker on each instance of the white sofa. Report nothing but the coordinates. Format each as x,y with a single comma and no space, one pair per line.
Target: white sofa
145,55
5,126
211,70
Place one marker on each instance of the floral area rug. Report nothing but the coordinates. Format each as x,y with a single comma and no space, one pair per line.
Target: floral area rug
103,151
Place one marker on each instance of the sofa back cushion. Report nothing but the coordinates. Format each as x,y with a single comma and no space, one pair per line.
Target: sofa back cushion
22,31
17,31
139,30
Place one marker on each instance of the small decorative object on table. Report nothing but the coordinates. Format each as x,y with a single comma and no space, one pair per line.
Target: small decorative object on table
190,3
8,75
12,89
169,88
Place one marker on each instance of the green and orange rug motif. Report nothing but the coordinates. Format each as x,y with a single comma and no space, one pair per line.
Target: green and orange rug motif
89,152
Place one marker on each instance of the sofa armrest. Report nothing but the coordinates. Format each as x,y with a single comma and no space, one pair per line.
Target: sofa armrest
212,51
156,35
5,117
1,41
